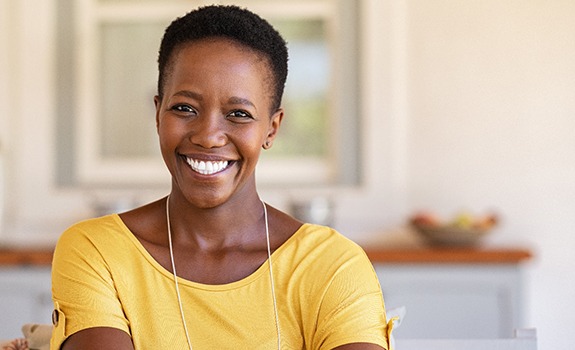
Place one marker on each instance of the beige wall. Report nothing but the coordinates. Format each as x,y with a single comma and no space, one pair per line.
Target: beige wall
468,105
490,123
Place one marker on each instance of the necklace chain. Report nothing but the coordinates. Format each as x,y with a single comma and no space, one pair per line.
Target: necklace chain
277,321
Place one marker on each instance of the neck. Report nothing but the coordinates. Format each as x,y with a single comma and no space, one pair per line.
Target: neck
222,227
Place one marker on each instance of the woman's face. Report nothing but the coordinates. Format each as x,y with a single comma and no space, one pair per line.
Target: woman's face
214,118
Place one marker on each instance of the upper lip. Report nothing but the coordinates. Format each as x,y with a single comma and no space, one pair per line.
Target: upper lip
207,157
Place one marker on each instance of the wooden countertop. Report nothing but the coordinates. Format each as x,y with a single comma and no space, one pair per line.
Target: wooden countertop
418,255
429,255
26,257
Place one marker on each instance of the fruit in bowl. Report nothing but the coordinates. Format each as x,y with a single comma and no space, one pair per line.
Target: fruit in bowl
462,230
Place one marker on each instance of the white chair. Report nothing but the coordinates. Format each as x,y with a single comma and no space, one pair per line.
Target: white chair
524,339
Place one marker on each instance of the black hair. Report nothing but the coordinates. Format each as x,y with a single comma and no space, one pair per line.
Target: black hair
231,22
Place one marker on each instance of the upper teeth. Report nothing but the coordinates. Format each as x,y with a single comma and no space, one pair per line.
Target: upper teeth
207,167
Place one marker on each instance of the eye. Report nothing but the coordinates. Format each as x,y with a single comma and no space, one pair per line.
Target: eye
240,115
183,109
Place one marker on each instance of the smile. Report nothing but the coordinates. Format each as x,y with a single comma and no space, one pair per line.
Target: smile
207,167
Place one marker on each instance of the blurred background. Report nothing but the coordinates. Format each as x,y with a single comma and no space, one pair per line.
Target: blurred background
393,107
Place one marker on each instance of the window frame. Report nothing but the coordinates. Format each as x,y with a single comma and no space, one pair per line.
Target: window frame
342,164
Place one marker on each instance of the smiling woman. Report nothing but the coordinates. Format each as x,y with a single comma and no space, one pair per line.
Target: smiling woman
115,82
248,275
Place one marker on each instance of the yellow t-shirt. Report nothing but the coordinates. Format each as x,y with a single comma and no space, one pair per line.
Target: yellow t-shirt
326,289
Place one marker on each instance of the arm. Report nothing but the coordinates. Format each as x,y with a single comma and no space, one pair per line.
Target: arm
359,346
88,310
99,338
352,314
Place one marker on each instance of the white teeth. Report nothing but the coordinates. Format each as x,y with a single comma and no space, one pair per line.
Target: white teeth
207,167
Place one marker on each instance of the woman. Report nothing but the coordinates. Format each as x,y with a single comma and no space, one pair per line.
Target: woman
195,269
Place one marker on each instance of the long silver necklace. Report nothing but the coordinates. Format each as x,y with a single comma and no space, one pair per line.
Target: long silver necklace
176,276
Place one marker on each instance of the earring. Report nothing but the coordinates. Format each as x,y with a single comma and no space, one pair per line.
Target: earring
267,145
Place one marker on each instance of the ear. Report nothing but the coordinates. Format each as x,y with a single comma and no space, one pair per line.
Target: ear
157,104
274,126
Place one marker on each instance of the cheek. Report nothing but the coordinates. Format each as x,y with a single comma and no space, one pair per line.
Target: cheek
169,135
253,139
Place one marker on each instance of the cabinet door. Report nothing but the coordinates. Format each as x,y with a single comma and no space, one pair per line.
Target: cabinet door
25,297
454,301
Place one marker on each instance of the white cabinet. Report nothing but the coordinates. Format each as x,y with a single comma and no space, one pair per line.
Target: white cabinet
25,297
443,300
454,300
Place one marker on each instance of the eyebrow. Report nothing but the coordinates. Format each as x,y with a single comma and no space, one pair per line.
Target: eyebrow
240,101
190,94
232,100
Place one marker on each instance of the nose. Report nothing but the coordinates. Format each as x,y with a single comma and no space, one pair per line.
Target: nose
208,131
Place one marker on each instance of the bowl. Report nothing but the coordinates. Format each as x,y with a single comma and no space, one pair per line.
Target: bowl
450,235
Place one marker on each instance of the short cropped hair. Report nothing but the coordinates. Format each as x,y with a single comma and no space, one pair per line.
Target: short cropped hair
231,22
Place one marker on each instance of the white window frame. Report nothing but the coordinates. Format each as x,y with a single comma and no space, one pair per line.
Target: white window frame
93,169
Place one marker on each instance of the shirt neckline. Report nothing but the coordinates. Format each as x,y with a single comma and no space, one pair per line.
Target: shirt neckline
262,270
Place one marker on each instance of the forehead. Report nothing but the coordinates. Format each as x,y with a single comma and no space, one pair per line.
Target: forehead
220,69
218,50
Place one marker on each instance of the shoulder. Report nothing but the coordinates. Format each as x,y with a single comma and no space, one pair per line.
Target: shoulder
320,250
93,237
99,250
326,240
101,228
